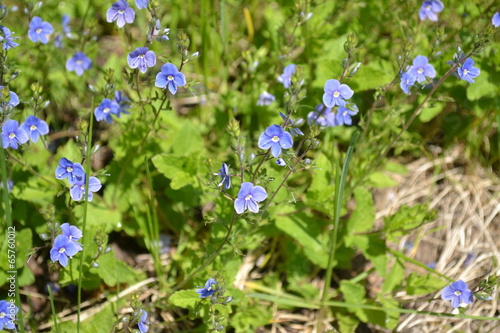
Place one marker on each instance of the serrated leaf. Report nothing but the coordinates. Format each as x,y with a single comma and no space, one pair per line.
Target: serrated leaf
182,170
114,271
423,284
187,299
381,180
355,294
363,217
482,87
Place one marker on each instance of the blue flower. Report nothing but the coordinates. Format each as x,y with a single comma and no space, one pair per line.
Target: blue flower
79,63
143,324
468,72
323,116
170,78
141,58
35,127
429,10
495,20
13,135
248,197
13,99
226,177
141,4
457,293
65,25
123,103
39,30
286,77
292,124
276,138
8,313
78,189
336,93
210,288
67,169
121,13
106,109
73,234
422,69
407,81
7,39
280,162
344,115
265,99
62,249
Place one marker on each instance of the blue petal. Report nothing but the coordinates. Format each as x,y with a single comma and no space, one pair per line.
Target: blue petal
239,205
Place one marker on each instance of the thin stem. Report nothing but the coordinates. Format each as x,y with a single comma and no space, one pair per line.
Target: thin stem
54,316
85,205
340,180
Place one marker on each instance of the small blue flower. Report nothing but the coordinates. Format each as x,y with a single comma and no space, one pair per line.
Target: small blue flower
280,162
121,13
429,10
7,39
457,293
276,138
123,103
105,110
210,288
265,99
344,115
143,324
39,30
77,191
407,81
248,197
67,169
495,20
13,135
323,116
73,234
468,72
336,93
170,78
35,127
13,99
8,313
65,25
422,69
292,124
62,249
226,177
79,63
286,77
141,58
141,4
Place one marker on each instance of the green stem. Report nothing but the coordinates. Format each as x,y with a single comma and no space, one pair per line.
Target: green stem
54,316
85,205
339,192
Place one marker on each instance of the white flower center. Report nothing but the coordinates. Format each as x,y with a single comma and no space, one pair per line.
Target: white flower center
39,30
12,135
2,315
33,128
62,250
275,139
106,110
248,197
345,113
170,77
141,56
466,72
336,94
121,11
420,71
428,7
457,293
69,169
78,62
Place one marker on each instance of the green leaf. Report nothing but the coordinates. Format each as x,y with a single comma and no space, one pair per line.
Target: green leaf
182,170
381,180
187,299
306,232
430,111
363,217
407,218
423,284
374,249
114,271
354,293
374,75
394,278
482,87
